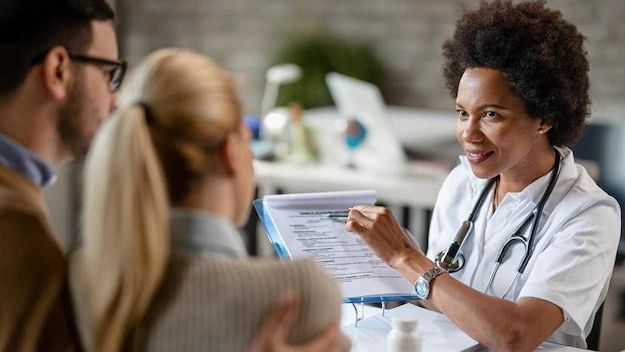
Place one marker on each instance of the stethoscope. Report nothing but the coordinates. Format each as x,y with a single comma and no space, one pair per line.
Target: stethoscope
451,260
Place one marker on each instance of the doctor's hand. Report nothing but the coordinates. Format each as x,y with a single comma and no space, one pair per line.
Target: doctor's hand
273,335
380,230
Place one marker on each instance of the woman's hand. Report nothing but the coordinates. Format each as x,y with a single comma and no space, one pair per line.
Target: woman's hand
273,335
380,230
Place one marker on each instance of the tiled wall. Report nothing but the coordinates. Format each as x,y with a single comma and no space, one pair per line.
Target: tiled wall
243,36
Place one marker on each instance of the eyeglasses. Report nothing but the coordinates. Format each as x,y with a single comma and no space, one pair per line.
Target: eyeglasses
116,74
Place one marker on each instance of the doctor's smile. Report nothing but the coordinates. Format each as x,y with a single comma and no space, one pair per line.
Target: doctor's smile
477,156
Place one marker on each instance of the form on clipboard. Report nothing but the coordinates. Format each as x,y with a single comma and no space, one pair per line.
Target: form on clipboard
312,225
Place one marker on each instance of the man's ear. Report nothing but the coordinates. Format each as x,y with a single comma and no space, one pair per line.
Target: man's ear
56,75
230,154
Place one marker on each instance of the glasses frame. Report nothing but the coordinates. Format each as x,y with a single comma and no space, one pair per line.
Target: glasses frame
119,71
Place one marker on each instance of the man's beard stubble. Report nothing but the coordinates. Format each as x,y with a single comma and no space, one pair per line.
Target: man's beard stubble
70,121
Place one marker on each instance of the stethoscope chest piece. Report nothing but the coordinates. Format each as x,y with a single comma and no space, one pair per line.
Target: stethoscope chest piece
452,266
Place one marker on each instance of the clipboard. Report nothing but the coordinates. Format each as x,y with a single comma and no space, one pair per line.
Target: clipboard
276,240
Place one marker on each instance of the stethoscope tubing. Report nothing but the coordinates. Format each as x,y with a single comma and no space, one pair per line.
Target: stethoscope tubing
454,260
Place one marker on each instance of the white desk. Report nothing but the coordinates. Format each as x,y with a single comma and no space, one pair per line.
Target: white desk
417,189
370,335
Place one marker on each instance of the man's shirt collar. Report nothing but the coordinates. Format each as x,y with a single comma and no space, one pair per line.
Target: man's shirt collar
25,162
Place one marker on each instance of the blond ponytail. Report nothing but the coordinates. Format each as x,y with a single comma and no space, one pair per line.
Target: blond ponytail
126,228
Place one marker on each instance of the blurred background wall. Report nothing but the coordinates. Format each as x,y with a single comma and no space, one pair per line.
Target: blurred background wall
245,36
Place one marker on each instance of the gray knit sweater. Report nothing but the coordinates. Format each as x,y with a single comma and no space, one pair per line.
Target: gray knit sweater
212,298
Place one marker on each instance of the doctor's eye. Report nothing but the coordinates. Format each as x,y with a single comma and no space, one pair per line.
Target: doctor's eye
490,114
462,114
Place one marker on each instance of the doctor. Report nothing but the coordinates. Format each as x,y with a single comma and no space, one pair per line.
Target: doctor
527,239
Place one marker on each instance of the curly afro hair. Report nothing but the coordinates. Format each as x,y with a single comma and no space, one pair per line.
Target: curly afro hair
541,55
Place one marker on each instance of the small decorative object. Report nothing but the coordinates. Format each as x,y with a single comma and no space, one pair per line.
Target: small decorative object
355,133
303,148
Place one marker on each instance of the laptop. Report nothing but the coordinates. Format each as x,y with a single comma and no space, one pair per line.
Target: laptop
380,150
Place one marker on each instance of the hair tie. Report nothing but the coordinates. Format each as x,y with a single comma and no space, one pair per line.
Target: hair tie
149,116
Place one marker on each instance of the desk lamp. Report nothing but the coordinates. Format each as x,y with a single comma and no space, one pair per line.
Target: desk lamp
276,76
275,122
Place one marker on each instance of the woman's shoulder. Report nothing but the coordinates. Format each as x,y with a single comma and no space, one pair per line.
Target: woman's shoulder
258,266
266,276
253,265
229,296
580,190
581,202
585,193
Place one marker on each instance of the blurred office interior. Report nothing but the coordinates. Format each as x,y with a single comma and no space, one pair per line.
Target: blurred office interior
395,44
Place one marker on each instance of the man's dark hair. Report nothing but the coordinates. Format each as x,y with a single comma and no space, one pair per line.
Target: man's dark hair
29,28
541,55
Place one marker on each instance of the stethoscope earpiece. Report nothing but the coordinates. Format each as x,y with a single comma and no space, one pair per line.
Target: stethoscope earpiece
451,267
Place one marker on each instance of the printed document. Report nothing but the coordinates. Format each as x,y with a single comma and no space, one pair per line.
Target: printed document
313,225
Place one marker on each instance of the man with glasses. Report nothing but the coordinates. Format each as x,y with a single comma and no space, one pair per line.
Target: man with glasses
59,72
58,75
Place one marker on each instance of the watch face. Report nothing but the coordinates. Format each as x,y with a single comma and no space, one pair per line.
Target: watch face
422,288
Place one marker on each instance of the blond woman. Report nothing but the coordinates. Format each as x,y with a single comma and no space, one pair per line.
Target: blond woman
168,180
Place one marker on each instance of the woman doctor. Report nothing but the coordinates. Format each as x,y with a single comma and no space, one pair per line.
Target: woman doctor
519,76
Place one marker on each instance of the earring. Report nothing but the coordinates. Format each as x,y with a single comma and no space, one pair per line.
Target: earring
540,130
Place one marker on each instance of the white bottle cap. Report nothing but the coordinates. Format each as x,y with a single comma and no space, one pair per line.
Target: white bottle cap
405,323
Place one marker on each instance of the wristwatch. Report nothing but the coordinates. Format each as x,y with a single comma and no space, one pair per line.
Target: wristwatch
422,286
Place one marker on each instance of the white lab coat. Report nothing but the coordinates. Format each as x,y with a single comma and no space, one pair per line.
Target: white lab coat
574,249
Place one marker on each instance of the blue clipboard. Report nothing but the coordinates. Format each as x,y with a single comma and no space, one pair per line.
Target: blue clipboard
278,245
272,232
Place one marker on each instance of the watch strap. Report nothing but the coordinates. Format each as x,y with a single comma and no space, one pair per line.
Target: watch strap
433,273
